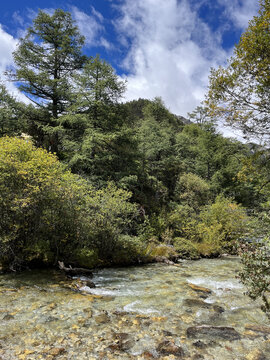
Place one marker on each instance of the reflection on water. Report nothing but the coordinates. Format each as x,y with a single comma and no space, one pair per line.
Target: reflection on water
196,311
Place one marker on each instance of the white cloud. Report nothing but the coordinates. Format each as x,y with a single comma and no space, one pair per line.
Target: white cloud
240,11
17,18
7,45
170,51
91,27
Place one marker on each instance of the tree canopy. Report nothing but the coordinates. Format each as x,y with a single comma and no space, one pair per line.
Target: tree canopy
240,93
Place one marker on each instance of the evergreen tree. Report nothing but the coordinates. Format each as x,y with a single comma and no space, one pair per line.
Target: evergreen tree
97,91
11,111
96,141
45,60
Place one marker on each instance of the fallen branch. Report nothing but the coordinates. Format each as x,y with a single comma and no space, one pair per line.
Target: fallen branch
74,271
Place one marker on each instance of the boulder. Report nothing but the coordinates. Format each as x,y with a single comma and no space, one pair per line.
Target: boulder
217,332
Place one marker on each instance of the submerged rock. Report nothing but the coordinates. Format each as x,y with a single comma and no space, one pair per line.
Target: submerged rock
57,351
199,344
258,329
169,348
256,354
102,319
197,357
8,317
202,304
219,309
196,303
122,342
217,332
200,289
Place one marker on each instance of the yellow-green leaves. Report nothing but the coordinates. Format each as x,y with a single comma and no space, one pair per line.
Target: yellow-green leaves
47,213
240,93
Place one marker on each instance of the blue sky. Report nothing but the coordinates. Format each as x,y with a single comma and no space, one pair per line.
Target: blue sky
161,47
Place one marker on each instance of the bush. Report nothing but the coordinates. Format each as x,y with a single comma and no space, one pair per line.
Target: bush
255,274
211,231
221,224
129,250
186,248
161,250
48,214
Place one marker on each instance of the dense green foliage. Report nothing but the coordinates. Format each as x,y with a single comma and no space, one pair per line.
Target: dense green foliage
48,214
255,273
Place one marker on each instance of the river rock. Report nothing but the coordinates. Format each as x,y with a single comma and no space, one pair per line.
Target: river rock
169,348
89,283
122,342
88,312
148,355
202,304
50,318
217,332
8,317
200,289
199,344
259,329
102,319
196,303
256,354
56,351
121,336
167,333
197,357
219,309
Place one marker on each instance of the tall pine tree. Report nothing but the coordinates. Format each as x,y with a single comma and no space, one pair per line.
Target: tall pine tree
46,59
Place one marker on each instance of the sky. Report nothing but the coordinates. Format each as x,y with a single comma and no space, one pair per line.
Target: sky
162,48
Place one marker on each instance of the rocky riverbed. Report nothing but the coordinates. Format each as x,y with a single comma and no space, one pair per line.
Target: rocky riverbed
193,311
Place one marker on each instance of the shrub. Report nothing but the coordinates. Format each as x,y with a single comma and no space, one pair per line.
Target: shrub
129,250
211,231
221,224
47,213
161,250
255,274
186,248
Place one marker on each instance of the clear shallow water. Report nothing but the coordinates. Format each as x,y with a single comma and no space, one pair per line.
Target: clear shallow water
142,312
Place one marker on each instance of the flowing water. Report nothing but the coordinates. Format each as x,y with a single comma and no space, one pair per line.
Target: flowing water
193,311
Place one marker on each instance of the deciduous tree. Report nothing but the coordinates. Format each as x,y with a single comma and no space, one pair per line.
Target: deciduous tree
240,93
